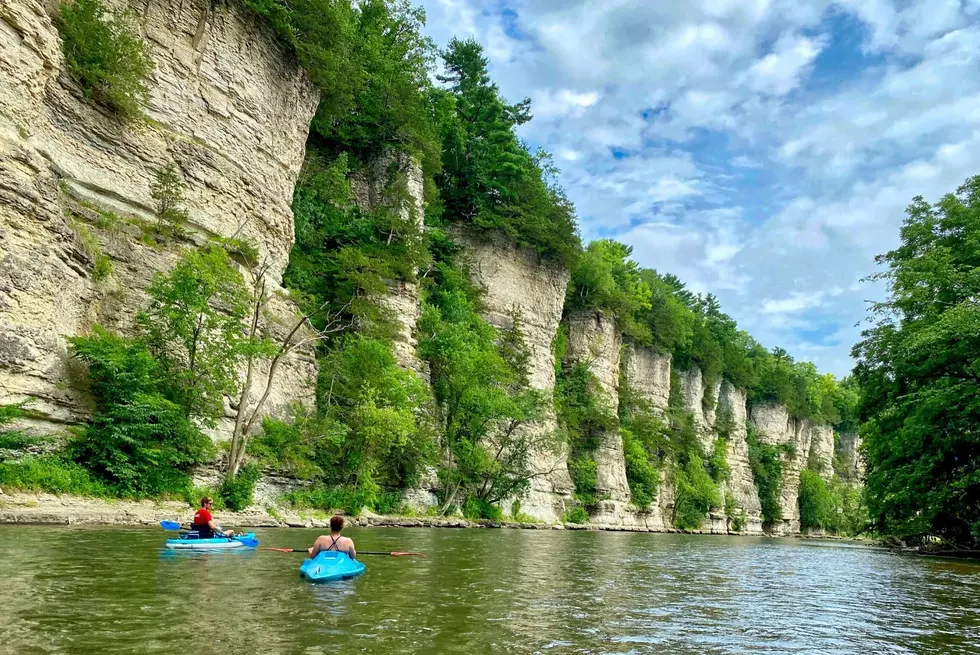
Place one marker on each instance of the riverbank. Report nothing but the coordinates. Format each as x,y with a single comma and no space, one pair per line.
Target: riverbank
50,509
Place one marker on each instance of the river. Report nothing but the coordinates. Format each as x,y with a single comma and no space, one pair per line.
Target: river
114,590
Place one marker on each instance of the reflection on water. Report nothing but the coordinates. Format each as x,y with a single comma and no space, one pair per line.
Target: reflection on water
106,590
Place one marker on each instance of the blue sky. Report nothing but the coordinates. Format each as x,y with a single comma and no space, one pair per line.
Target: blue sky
763,150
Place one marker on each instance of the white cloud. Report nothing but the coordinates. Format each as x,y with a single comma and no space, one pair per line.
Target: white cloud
746,145
780,71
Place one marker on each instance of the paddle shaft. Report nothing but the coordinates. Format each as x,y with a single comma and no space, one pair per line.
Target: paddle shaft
394,553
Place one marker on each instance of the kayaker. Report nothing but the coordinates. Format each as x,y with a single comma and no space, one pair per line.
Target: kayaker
334,541
204,523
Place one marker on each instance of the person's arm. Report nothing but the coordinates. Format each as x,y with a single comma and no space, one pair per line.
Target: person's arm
217,528
311,552
350,550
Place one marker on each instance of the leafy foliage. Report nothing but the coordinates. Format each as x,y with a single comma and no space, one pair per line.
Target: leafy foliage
105,54
605,279
193,327
167,190
485,405
52,474
918,368
237,490
346,499
697,493
139,440
489,178
767,471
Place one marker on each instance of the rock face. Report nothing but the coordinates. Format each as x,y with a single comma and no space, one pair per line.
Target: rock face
803,441
731,419
648,374
229,107
394,182
594,339
850,465
517,282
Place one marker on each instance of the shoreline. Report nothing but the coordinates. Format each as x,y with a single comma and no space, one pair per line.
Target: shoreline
18,507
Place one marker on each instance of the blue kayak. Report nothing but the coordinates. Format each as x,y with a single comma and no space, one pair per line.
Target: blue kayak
190,541
330,565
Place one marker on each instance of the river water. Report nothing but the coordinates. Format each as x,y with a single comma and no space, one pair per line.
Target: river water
115,590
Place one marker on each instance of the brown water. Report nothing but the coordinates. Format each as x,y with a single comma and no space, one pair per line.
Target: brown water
115,590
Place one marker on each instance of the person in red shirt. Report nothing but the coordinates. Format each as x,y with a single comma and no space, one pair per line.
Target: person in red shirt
204,523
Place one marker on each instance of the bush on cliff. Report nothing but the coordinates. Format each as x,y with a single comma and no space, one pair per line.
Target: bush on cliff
52,474
104,53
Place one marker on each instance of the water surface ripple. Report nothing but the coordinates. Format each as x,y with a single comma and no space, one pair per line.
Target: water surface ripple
115,590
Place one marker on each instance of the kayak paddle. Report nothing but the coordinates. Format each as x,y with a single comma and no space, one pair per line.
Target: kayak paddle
246,541
394,553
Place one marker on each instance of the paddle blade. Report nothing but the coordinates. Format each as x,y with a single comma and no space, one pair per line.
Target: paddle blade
170,525
286,550
251,542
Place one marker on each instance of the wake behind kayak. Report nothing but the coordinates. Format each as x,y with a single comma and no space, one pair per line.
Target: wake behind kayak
330,565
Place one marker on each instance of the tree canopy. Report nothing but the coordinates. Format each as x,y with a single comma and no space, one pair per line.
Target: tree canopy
918,368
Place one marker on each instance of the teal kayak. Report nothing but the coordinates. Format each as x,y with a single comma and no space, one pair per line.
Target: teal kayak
189,541
330,565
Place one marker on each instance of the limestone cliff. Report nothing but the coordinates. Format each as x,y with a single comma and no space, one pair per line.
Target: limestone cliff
229,107
517,282
803,442
594,339
731,425
848,462
394,182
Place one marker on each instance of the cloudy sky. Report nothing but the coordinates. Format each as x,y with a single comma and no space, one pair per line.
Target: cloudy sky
764,150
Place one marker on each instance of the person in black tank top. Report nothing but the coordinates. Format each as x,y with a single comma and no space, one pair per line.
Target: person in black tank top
334,541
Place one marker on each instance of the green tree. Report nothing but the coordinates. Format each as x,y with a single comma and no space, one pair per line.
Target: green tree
918,369
485,407
605,279
167,190
194,328
489,178
104,53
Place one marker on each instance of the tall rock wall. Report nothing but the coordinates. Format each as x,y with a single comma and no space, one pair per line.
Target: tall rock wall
594,338
229,106
731,424
516,281
848,462
648,374
394,181
805,442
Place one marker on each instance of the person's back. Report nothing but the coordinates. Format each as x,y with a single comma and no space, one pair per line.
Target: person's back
334,541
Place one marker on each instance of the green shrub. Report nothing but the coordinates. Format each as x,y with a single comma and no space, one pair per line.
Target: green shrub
237,491
575,514
138,441
697,493
350,501
767,472
585,475
718,464
476,508
105,54
642,475
193,496
167,189
103,268
815,501
53,474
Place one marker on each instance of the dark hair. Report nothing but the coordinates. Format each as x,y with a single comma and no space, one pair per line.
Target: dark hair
337,523
206,500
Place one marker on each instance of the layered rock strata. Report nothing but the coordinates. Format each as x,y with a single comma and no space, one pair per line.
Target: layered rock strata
394,182
594,339
229,107
516,282
731,425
